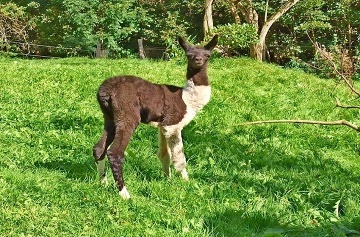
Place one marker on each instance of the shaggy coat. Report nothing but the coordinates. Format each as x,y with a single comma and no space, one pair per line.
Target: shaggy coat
128,100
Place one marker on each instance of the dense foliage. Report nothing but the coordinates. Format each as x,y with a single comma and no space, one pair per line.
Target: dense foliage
116,26
235,37
14,25
334,24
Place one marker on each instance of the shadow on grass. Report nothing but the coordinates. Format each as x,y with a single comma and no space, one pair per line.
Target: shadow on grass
87,169
272,170
308,164
80,165
75,122
74,166
235,223
72,170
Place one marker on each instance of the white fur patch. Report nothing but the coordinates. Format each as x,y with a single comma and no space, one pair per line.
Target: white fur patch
184,175
124,193
164,153
154,124
104,180
175,141
195,98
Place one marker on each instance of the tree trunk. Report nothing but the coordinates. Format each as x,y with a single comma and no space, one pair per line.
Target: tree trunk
256,50
100,51
141,49
234,12
208,20
251,17
269,22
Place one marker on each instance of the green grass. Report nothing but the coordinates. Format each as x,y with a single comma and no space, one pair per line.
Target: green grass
263,180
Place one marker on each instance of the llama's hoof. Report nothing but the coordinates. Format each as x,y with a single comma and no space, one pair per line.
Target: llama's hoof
124,193
167,173
104,181
184,175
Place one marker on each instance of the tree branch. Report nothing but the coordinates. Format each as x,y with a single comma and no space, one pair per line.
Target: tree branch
234,12
244,11
326,56
338,122
346,106
269,22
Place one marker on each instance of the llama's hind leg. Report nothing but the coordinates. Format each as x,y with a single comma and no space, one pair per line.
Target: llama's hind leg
175,143
116,155
99,150
164,153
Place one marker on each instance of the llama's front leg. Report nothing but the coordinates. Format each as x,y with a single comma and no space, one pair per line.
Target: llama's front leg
175,143
164,153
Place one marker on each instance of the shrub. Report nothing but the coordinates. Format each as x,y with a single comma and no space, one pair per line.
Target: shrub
235,37
15,25
108,23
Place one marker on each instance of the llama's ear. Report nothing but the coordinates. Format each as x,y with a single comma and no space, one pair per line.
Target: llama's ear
183,43
213,42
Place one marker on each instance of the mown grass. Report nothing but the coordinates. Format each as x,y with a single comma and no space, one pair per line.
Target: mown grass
264,180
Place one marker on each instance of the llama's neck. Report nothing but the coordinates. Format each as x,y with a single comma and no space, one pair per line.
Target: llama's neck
197,91
198,76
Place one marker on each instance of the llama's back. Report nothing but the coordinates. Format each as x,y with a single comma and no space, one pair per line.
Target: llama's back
133,95
120,91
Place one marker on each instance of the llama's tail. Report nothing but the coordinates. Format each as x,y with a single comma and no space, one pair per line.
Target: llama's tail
104,99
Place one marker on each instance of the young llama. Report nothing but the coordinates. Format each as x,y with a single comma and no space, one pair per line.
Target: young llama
128,100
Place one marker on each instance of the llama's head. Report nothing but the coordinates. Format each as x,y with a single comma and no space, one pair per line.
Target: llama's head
198,55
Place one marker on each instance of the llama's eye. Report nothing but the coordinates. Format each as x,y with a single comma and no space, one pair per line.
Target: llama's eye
189,55
207,55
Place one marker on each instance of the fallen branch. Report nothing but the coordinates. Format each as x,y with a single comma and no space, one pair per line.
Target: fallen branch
346,106
338,122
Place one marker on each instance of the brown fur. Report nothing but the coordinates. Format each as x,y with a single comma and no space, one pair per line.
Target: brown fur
147,100
128,100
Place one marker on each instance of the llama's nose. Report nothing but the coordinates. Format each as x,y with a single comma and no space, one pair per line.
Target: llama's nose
198,58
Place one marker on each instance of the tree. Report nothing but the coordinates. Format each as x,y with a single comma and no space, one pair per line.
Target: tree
14,24
334,24
165,20
208,19
106,23
248,11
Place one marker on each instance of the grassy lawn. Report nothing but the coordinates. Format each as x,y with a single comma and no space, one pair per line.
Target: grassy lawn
261,180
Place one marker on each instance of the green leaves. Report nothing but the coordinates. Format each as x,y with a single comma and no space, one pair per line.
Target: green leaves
15,25
235,36
107,22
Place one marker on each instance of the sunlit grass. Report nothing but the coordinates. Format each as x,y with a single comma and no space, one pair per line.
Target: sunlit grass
263,180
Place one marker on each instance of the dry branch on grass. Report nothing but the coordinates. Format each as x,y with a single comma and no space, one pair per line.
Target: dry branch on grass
338,104
338,122
327,57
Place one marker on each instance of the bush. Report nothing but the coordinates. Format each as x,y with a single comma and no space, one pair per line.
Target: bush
108,23
15,25
235,37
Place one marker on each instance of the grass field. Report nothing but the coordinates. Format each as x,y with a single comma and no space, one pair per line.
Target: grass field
261,180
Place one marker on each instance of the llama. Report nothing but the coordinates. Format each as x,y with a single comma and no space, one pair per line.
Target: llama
125,101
